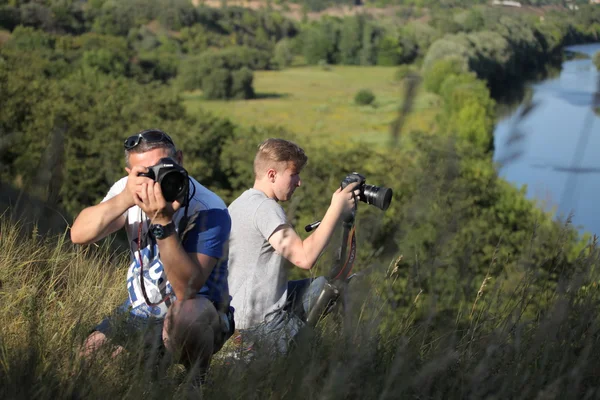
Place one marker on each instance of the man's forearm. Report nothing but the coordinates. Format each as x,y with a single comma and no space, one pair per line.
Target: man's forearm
184,274
96,222
316,243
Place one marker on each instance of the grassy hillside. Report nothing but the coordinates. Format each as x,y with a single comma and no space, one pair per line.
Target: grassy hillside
320,103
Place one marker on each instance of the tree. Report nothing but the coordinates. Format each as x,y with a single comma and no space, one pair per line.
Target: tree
10,17
320,42
389,52
351,37
283,54
441,70
368,51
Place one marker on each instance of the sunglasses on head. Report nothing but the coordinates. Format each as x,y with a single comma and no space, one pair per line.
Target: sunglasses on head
150,136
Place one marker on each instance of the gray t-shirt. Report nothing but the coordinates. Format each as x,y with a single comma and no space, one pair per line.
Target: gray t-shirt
257,274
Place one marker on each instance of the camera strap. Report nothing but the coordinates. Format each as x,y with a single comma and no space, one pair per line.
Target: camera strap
185,225
142,284
351,256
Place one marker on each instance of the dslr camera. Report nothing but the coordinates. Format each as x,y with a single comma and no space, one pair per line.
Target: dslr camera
172,177
378,196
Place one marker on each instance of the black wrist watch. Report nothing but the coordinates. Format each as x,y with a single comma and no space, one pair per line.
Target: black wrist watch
162,231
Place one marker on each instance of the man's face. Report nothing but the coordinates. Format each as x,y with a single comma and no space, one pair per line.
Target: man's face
150,158
286,182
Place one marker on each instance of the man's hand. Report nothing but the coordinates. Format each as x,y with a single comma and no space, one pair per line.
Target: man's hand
344,200
134,183
148,196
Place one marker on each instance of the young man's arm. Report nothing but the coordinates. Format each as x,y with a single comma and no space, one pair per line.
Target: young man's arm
304,254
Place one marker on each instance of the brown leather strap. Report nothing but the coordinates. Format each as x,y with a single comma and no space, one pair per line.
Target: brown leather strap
347,268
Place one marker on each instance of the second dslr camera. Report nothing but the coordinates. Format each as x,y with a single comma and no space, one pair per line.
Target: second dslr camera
379,196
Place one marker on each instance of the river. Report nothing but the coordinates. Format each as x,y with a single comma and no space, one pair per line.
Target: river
554,149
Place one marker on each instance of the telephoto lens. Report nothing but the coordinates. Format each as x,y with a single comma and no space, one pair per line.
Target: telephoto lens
378,196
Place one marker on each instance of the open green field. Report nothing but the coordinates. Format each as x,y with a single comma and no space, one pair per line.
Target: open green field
320,103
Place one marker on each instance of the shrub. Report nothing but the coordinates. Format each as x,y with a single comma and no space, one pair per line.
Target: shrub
241,84
223,74
217,85
364,97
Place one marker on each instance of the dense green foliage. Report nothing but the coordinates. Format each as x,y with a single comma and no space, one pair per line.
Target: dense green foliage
319,5
478,273
364,97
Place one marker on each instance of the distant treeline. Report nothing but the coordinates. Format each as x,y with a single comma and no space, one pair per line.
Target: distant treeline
319,5
216,50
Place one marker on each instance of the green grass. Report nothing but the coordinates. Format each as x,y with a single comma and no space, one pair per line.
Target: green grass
52,293
318,103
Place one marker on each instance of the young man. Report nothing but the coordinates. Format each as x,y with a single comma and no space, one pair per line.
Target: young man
182,300
263,244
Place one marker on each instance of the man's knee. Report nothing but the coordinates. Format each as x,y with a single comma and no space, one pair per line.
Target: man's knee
94,342
190,327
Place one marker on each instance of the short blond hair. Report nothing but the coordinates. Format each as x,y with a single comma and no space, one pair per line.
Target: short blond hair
273,151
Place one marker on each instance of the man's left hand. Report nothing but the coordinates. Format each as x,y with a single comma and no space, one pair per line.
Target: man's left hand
150,199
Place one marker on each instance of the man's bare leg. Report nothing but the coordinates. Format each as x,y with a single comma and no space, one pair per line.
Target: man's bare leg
189,332
94,342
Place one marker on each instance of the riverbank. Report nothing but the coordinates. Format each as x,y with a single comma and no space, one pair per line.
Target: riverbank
555,141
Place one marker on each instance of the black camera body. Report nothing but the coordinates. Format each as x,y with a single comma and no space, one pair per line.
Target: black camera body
378,196
172,177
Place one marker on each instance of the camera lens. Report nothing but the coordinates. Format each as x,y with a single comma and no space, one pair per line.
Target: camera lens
379,196
172,185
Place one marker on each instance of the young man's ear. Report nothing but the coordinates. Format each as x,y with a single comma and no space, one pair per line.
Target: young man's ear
271,174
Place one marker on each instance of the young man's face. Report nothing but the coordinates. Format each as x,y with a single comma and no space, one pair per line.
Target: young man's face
150,158
286,182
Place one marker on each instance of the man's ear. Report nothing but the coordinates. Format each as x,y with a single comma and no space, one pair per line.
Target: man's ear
128,170
271,174
179,157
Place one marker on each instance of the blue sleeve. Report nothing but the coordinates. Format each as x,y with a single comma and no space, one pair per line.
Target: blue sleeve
210,234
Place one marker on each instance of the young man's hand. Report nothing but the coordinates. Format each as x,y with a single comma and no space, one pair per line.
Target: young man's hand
344,200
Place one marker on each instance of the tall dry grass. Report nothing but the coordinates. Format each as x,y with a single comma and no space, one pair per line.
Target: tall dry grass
53,293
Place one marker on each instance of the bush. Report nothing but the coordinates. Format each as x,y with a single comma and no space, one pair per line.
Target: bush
364,97
217,85
241,84
223,74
